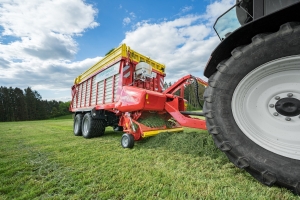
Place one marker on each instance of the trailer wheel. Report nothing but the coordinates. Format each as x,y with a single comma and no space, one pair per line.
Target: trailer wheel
92,127
127,140
252,107
77,125
100,128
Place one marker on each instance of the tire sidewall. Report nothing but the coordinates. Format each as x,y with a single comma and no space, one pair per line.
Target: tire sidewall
78,123
86,119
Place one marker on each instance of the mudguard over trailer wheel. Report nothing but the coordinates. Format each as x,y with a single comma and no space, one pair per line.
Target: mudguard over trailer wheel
252,107
92,127
127,141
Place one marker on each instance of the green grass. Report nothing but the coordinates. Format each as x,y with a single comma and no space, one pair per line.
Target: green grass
70,116
43,160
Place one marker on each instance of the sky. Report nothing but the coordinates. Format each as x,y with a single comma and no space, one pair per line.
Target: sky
46,44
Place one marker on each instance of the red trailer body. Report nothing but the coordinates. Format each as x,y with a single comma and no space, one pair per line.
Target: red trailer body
126,90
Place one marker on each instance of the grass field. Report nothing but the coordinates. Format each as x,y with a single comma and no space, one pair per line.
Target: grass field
43,160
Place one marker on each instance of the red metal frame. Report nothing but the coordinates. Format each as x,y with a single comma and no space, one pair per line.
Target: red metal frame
81,93
97,88
85,92
113,89
182,82
104,91
91,91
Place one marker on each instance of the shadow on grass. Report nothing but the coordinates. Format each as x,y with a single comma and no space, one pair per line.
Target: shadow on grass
113,134
194,143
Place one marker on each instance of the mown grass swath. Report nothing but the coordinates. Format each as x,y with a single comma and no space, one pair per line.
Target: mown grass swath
43,160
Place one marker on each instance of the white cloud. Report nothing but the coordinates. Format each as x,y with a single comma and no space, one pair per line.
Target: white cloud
44,44
51,74
132,14
186,9
44,27
184,45
126,21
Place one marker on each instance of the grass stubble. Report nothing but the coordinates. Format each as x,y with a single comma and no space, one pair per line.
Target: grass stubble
44,160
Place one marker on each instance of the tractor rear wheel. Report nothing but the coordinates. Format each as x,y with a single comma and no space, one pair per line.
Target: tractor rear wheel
252,107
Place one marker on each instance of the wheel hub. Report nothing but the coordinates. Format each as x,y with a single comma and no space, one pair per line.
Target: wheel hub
125,141
288,107
285,106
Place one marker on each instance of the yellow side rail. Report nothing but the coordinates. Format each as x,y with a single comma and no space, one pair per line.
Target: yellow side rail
115,55
155,132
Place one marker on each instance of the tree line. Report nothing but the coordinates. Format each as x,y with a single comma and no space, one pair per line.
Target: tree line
27,104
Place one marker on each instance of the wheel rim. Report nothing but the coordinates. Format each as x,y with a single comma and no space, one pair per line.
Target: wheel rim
254,104
125,141
86,126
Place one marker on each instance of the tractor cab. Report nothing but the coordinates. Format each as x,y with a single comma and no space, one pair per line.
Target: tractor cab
242,13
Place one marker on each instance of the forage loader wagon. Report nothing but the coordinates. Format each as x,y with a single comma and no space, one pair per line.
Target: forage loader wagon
125,90
252,101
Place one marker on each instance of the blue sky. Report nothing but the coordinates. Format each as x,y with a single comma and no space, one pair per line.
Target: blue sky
46,44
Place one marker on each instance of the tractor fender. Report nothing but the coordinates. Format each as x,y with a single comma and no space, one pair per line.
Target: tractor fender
244,34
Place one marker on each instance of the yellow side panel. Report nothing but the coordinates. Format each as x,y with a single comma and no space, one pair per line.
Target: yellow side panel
115,55
110,58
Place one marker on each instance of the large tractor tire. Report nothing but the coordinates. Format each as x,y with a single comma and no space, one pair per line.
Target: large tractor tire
252,107
92,127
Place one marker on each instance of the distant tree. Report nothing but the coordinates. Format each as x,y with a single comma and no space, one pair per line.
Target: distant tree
109,51
64,108
166,85
31,103
1,105
6,104
54,112
193,96
20,105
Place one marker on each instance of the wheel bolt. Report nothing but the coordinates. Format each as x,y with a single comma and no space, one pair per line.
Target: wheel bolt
288,119
290,94
277,97
271,105
275,114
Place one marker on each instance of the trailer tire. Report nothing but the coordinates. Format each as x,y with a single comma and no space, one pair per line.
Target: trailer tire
91,127
127,141
100,128
241,100
77,125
